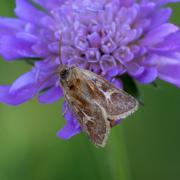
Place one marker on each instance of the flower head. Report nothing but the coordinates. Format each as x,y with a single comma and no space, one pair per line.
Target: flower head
108,37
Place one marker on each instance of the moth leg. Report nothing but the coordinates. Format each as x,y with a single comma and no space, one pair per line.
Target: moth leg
66,106
112,122
66,109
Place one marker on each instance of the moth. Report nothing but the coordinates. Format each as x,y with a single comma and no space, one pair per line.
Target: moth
95,102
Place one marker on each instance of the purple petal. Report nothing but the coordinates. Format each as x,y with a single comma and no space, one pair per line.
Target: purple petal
41,49
170,44
123,54
169,70
12,48
94,67
18,97
134,69
28,85
72,126
23,89
145,10
49,4
10,25
108,45
148,76
68,53
81,43
94,39
68,131
27,37
160,2
92,55
160,17
51,95
24,81
159,34
26,11
118,121
127,3
108,65
117,82
164,2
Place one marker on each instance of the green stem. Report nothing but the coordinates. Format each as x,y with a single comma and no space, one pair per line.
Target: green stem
117,156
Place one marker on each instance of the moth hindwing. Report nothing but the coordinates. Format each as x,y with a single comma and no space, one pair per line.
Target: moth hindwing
95,102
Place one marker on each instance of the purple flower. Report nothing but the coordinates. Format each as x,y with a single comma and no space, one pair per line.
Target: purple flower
109,37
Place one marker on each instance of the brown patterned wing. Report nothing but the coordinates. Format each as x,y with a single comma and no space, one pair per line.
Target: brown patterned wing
121,105
92,119
81,97
117,103
94,123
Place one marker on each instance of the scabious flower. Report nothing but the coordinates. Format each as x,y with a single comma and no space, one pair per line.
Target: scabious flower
108,37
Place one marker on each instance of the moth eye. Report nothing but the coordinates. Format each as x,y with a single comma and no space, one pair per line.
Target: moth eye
64,73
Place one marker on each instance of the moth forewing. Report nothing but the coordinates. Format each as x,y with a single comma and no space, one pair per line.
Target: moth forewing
117,102
123,105
108,127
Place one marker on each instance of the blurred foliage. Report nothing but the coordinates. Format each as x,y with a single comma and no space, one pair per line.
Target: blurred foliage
144,147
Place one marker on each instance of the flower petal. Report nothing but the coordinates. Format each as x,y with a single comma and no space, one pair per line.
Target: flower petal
164,2
160,2
170,44
148,76
160,17
12,48
10,25
24,81
117,82
159,34
108,65
72,126
127,3
68,131
21,96
23,89
49,4
134,69
51,95
26,11
169,70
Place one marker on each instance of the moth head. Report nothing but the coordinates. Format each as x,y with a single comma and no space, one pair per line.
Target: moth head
64,72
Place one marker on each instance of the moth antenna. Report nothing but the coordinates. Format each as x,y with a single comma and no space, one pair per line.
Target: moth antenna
60,49
54,73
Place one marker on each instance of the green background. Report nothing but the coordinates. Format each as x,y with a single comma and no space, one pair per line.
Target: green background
145,146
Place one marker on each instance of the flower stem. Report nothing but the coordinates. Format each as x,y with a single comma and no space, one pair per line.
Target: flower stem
117,156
